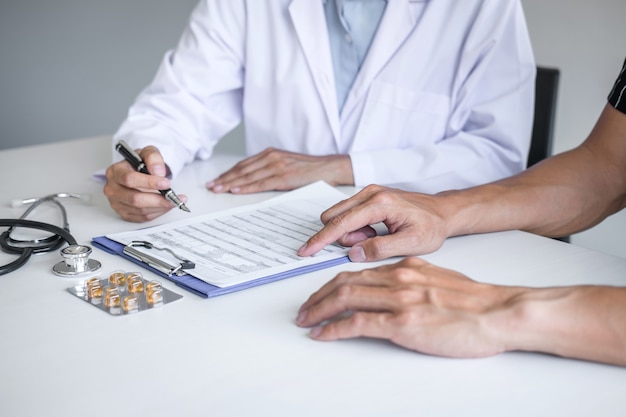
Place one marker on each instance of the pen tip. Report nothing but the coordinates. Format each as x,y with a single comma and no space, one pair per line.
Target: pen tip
184,208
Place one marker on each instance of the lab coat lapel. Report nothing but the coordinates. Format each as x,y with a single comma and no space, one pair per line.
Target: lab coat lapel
397,23
310,24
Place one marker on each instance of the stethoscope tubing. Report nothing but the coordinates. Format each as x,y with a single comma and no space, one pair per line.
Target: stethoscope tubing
26,248
26,252
32,224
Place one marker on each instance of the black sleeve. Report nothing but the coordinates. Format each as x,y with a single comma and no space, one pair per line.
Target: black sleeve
617,96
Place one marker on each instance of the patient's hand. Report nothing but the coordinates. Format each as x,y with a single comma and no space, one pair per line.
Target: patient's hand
416,305
416,223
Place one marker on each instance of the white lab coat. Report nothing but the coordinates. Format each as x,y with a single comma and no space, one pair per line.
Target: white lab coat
444,98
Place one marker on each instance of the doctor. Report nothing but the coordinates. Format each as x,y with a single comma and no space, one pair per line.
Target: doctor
424,95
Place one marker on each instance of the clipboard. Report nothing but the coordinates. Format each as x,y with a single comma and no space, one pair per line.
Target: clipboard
195,285
137,246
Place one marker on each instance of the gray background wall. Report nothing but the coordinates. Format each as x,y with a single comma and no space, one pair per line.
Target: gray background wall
70,68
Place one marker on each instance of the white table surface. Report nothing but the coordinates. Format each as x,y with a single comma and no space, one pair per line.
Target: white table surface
241,354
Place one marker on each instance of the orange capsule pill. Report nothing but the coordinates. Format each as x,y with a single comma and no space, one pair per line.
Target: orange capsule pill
91,282
153,285
112,297
94,291
117,279
135,285
134,275
130,303
154,296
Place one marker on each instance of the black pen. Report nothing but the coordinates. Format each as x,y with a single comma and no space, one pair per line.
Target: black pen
135,160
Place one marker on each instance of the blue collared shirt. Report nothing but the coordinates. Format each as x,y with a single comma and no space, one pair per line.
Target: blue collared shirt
351,28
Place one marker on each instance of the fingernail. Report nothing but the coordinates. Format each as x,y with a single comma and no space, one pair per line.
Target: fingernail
315,331
159,170
357,254
163,184
210,184
302,249
301,317
218,188
235,190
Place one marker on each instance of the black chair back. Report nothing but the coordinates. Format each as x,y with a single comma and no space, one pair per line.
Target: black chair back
546,89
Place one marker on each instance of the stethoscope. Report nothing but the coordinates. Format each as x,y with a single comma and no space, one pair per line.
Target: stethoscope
75,257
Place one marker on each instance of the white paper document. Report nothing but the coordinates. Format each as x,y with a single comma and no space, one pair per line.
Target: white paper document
246,243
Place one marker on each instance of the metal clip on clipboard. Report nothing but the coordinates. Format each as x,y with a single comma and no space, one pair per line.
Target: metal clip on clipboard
156,263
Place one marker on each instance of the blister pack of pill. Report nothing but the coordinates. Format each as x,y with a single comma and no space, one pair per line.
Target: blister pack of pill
123,293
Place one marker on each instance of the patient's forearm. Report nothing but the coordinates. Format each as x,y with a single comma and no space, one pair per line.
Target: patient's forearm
564,194
583,322
554,202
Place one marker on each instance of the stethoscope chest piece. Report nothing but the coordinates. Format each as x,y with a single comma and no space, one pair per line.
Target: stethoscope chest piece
75,261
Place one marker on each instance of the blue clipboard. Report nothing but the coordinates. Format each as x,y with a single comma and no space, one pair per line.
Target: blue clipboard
187,281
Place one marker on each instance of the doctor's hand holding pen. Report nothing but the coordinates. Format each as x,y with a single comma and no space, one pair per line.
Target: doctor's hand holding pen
137,196
275,169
